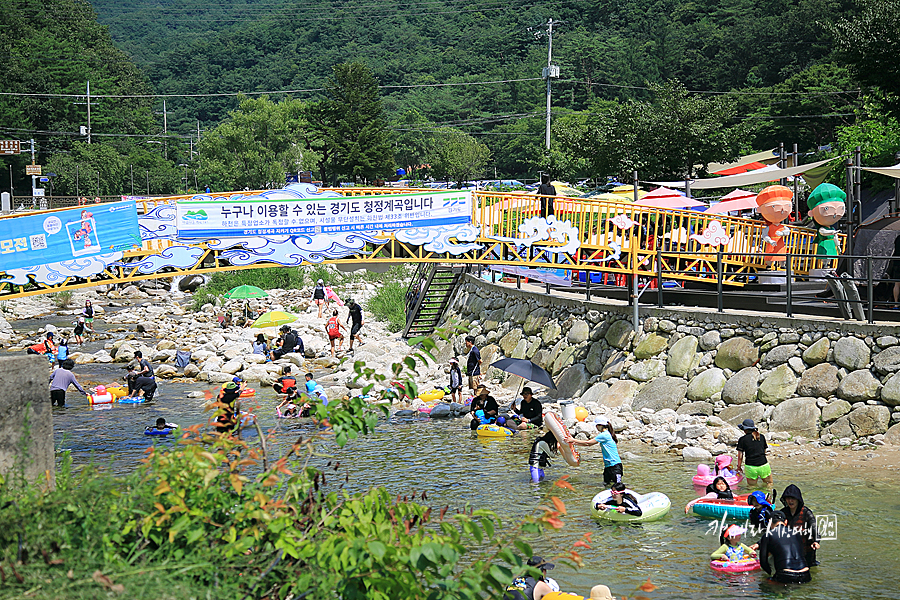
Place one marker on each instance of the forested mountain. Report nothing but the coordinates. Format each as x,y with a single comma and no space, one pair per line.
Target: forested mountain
607,49
461,74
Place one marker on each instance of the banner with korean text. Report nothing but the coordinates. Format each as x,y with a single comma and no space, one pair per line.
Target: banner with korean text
242,216
61,235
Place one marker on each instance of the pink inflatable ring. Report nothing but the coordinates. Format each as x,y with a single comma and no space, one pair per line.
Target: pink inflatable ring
737,566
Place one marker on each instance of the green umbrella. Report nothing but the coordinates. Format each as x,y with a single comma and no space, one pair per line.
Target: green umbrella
243,292
274,318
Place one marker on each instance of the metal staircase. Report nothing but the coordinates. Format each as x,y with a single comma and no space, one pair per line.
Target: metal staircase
428,295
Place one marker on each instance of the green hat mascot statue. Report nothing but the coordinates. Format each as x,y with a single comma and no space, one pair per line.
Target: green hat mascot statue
826,207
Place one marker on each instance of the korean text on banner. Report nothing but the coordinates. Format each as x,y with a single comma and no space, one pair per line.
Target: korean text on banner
61,235
253,215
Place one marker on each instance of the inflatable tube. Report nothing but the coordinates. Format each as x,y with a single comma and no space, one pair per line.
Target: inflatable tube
563,596
493,431
717,509
101,398
655,506
278,414
705,480
155,431
432,395
135,400
248,392
737,566
117,392
427,408
555,424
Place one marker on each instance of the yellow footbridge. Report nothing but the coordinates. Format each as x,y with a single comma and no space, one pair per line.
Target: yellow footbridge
601,236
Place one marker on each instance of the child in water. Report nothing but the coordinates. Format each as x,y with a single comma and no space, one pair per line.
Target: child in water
723,461
622,501
732,549
162,425
539,458
718,489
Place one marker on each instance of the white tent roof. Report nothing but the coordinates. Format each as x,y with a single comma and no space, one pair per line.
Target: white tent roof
889,171
758,176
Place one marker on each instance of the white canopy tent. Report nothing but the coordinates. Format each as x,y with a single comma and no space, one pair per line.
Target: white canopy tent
753,177
889,171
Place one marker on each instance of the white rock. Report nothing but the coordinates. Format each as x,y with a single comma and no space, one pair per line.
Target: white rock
695,454
232,366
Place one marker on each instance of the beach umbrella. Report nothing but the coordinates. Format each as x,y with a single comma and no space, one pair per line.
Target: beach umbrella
243,292
274,318
662,192
526,370
670,202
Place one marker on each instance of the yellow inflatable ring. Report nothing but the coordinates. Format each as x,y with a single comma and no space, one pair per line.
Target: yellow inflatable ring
432,395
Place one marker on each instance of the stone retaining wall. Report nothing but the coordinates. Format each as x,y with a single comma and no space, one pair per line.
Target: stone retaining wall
838,382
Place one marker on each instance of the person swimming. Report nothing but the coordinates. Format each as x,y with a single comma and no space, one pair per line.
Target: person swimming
718,489
732,550
622,501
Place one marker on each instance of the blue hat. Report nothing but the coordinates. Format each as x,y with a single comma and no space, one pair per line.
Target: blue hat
760,499
501,420
237,379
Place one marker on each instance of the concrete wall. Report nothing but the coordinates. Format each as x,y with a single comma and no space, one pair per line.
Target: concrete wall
26,424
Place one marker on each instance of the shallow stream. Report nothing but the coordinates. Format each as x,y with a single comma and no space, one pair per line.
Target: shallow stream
445,460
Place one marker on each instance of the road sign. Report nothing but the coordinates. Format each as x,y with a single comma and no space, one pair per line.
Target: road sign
32,169
45,179
9,147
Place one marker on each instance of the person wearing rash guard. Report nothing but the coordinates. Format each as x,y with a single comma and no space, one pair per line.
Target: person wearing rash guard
732,549
802,520
761,511
527,587
539,458
718,489
787,550
531,410
622,501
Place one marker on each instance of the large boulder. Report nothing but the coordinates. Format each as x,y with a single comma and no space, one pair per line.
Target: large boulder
650,346
594,362
893,435
696,408
695,454
646,370
859,386
662,392
735,415
799,416
869,420
550,332
705,385
736,353
594,393
571,383
615,366
841,428
835,410
851,353
620,392
191,370
778,385
579,332
620,333
565,358
535,321
821,381
817,352
743,387
509,341
166,371
232,366
682,356
190,283
887,361
778,355
441,411
890,393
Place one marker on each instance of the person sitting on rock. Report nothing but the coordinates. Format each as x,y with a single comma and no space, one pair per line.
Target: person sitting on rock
530,410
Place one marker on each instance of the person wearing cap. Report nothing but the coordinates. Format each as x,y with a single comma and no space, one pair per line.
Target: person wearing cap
286,343
45,347
531,410
356,322
612,464
455,381
732,549
723,461
238,381
751,449
787,550
527,587
318,296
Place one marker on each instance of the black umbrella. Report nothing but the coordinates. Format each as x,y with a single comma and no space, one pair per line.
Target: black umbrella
526,370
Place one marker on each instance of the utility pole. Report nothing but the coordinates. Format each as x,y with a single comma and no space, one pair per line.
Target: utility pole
89,111
550,72
165,131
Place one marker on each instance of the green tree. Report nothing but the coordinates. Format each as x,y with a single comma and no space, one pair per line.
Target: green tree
459,156
672,136
868,42
353,137
414,142
258,143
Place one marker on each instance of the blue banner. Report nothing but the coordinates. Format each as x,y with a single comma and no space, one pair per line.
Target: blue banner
61,235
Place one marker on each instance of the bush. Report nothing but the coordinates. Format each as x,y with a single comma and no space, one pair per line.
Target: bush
388,304
62,299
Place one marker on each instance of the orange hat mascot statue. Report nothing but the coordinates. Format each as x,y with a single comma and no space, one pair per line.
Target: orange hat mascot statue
775,203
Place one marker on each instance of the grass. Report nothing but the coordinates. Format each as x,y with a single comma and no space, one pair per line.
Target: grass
388,304
62,299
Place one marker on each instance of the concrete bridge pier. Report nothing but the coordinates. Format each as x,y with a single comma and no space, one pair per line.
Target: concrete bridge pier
26,422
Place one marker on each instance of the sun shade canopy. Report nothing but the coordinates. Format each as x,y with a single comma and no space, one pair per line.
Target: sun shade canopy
759,176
